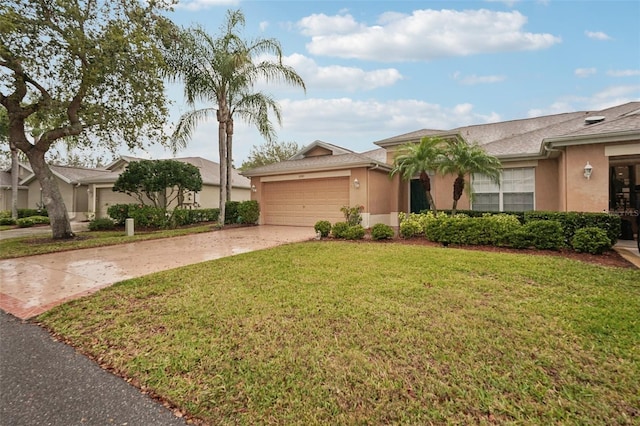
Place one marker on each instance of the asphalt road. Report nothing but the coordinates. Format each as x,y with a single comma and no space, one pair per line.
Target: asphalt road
45,382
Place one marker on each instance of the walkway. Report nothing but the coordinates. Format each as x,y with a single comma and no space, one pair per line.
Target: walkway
629,250
32,285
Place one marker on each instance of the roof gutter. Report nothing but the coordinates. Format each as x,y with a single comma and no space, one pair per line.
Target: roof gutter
317,169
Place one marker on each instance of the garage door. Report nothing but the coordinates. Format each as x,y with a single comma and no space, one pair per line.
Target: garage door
105,197
304,202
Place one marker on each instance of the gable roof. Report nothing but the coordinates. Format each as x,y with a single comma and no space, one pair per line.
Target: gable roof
340,159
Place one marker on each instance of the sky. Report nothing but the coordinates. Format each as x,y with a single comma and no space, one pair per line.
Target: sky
377,69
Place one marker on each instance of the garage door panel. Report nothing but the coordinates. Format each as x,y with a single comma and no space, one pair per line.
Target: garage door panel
304,202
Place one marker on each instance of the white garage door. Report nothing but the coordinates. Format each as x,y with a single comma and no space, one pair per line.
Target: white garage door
304,202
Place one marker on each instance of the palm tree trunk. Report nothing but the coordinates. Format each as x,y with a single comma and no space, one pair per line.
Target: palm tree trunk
222,148
458,189
229,130
426,184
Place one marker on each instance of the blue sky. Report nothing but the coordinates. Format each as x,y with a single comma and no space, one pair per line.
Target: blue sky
376,69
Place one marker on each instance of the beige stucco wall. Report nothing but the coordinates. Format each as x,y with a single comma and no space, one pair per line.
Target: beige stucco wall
582,194
547,189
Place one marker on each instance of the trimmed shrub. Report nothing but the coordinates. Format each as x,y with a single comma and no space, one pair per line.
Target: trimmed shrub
572,221
7,221
22,213
496,229
324,227
591,240
545,234
519,239
148,216
231,212
354,232
410,229
25,222
339,229
248,212
102,224
380,231
119,212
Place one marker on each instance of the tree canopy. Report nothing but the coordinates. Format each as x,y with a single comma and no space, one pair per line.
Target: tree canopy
269,153
90,70
462,159
222,72
160,182
419,159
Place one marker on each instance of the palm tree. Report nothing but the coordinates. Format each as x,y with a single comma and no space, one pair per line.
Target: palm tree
418,159
462,159
222,71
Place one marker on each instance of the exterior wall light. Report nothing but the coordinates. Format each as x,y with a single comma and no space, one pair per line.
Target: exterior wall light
253,188
356,183
588,168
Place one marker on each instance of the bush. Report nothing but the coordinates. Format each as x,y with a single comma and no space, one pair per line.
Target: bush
591,240
7,221
102,224
119,212
352,214
572,221
22,213
231,212
248,212
354,232
339,229
25,222
324,227
410,229
380,231
545,234
148,216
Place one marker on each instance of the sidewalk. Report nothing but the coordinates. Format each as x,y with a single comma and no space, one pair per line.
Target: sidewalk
629,250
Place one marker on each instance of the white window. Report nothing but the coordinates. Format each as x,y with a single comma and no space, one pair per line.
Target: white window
516,191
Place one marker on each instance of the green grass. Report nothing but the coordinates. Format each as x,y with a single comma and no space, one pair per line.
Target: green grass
352,334
43,243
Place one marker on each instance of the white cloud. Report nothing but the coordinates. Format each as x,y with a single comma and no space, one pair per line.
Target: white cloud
605,98
338,77
473,79
264,25
623,73
597,35
423,35
585,72
194,5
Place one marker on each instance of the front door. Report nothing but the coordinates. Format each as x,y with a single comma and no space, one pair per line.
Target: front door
418,198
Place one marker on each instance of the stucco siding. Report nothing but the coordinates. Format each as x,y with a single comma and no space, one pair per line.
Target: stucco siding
587,195
547,185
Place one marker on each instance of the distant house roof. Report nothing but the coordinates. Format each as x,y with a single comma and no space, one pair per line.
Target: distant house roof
209,171
527,137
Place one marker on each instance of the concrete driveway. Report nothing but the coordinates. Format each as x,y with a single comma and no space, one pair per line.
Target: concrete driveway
31,285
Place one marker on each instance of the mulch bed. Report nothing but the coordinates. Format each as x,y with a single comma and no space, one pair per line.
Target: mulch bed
609,258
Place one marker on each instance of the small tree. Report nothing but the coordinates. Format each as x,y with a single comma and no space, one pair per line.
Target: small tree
160,182
418,159
462,159
269,153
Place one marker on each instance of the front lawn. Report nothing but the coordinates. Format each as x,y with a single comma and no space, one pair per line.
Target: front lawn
352,333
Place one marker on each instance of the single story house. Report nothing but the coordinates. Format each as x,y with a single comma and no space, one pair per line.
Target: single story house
586,161
87,192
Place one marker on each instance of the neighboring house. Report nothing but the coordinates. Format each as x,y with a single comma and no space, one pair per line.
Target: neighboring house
87,192
5,188
545,161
